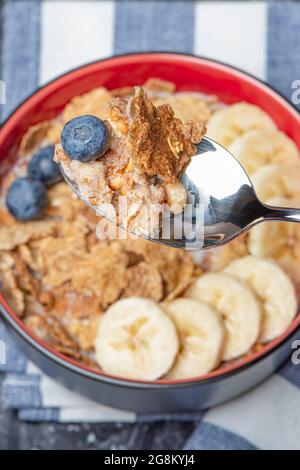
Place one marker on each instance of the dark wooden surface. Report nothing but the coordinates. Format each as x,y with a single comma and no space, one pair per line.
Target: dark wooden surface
17,435
161,435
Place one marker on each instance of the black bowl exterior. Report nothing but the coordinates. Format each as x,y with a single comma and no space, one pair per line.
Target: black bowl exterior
156,397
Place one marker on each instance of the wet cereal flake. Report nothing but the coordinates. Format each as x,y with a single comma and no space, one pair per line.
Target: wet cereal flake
187,107
95,102
34,137
102,271
51,331
144,280
11,237
156,87
218,258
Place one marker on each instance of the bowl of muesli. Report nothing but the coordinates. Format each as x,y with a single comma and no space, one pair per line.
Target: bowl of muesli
121,320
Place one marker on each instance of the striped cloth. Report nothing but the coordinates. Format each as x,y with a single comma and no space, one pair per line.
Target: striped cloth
41,39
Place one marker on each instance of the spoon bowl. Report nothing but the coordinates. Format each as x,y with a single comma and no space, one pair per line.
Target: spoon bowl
221,204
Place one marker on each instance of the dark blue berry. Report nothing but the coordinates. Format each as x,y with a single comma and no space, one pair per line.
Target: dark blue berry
42,167
26,199
85,138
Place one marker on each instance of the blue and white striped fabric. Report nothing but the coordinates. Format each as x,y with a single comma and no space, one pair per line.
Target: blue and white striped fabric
41,39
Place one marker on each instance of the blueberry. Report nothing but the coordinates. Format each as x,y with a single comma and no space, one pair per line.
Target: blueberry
26,199
42,166
85,138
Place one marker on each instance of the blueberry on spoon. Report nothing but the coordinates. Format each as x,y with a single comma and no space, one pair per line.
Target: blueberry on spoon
42,167
26,199
85,138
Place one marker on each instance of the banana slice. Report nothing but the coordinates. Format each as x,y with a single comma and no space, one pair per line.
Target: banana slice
136,339
238,305
218,258
279,240
263,146
201,334
275,239
273,287
233,121
276,180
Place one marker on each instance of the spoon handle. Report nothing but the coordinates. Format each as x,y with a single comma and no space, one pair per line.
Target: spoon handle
281,213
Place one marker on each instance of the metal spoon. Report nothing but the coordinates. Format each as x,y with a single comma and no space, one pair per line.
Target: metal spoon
222,203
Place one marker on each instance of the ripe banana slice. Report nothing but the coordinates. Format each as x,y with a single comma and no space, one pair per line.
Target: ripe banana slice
279,240
233,121
263,146
238,305
136,339
218,258
276,180
201,334
273,287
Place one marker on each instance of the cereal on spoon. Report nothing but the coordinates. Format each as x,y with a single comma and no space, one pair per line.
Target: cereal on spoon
139,152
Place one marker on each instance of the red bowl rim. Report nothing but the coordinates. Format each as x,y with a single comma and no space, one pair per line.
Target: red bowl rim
16,323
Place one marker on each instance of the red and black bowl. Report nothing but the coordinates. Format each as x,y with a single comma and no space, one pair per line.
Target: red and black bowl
190,73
